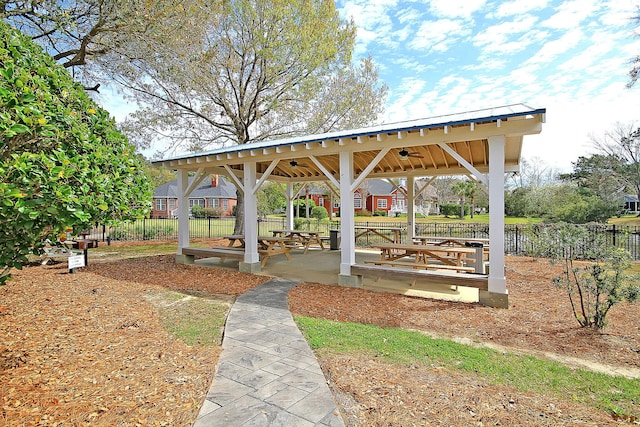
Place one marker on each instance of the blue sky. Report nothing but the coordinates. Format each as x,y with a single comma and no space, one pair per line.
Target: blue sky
448,56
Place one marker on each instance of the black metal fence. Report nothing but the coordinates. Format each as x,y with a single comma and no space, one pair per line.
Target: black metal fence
519,238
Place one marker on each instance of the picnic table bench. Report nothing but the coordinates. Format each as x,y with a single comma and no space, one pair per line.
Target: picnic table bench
432,277
361,230
222,252
302,238
421,266
267,247
447,255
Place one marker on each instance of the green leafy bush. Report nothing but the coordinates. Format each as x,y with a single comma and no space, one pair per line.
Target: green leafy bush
63,163
380,212
318,212
452,210
592,287
197,211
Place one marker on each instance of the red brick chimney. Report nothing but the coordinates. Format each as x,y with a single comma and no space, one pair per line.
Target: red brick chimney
214,181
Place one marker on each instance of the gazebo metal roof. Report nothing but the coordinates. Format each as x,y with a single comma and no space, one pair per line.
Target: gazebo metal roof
432,142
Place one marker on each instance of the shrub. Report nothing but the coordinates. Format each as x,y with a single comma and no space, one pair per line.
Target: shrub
593,288
197,211
449,209
363,212
452,210
318,212
213,212
380,212
63,162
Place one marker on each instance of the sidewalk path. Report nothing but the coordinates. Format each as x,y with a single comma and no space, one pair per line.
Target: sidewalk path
267,375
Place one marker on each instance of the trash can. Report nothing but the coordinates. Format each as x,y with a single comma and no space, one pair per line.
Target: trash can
478,262
334,240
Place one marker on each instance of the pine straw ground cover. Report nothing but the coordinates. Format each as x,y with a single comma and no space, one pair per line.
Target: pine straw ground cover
89,348
538,322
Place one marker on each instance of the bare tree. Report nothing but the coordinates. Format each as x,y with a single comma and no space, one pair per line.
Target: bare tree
622,143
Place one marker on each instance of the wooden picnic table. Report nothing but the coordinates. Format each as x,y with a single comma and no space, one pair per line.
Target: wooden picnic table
364,229
235,238
268,246
449,241
447,256
304,238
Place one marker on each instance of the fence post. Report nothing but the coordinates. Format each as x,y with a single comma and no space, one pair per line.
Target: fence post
614,234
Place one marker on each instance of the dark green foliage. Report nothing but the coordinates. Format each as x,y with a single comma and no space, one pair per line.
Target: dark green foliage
63,163
318,212
452,210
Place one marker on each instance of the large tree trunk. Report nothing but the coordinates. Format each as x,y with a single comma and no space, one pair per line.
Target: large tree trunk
238,229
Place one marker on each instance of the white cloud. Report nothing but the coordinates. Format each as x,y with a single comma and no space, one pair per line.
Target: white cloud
518,7
438,35
499,38
408,15
455,8
373,21
617,13
554,48
571,13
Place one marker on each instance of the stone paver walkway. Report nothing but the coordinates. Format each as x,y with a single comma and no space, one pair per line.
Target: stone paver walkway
267,375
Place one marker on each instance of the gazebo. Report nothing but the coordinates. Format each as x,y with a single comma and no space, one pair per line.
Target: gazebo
484,145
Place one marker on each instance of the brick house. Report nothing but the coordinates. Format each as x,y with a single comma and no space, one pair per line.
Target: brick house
380,195
215,192
373,195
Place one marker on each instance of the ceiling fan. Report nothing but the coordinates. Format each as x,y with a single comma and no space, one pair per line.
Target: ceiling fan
404,154
294,164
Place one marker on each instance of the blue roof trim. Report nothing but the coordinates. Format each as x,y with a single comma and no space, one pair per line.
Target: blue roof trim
487,115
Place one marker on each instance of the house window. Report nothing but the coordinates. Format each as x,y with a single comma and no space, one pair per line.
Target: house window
214,203
196,202
382,203
336,205
172,204
225,204
321,201
357,201
161,204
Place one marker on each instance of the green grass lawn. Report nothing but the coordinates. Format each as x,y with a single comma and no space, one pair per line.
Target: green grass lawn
527,374
631,220
481,219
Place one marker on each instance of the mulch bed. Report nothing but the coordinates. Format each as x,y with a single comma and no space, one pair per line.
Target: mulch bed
539,317
89,349
539,321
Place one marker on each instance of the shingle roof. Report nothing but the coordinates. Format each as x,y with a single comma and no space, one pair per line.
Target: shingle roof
224,190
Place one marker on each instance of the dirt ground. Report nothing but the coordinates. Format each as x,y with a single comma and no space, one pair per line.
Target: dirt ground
88,349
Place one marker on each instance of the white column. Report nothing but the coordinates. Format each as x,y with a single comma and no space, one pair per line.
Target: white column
183,210
497,279
347,232
411,209
251,255
289,208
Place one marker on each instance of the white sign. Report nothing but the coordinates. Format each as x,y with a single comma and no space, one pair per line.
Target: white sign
76,261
